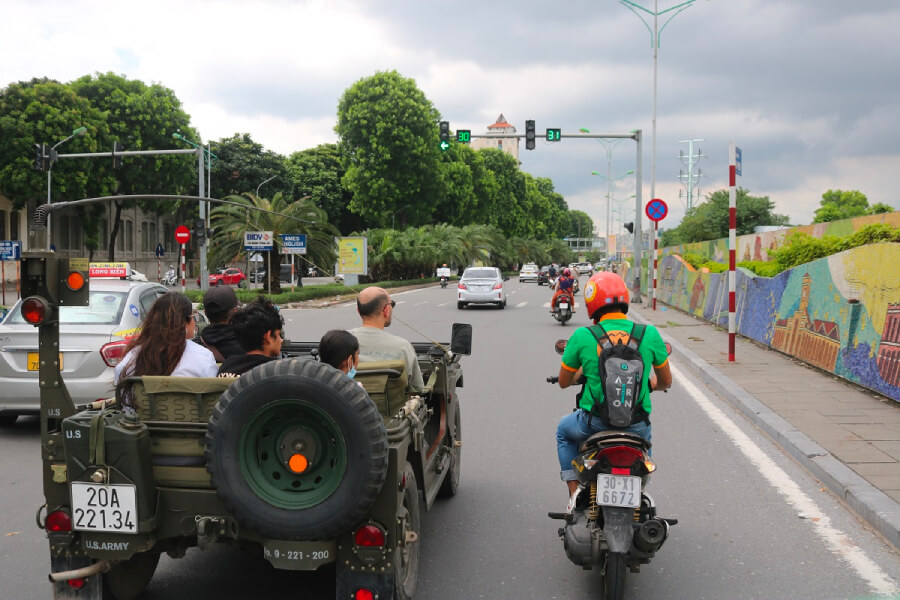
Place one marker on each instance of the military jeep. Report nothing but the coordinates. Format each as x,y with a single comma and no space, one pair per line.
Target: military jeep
292,460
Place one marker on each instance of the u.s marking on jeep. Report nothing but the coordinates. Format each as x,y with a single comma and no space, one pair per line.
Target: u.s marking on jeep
110,546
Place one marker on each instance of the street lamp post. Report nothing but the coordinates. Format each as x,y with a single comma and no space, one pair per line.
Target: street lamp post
201,151
609,181
79,131
395,212
654,41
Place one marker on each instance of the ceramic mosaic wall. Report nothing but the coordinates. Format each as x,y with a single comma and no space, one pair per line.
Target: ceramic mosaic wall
840,313
756,246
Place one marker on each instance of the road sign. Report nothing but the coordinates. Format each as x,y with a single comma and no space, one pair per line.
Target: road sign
160,251
182,234
293,243
737,161
10,250
656,210
258,240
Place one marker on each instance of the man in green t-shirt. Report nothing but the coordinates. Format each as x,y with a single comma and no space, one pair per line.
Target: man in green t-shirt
606,299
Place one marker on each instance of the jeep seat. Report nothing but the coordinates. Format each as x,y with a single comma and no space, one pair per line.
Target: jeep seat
385,381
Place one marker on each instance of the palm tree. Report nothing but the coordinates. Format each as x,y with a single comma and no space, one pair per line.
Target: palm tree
278,215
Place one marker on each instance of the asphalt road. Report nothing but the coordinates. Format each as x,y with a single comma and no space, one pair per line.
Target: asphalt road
752,523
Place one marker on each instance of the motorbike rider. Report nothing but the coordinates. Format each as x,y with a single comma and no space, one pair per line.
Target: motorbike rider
564,286
444,273
606,298
551,273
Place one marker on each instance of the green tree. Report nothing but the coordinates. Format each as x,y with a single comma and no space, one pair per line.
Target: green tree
141,117
388,140
709,221
242,164
277,215
839,204
580,224
317,173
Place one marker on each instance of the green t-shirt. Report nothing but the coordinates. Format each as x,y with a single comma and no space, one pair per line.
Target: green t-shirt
582,351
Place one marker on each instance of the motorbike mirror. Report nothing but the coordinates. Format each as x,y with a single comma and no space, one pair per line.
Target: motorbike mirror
560,346
461,339
668,348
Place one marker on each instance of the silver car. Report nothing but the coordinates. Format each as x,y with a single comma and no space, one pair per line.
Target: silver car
92,341
481,285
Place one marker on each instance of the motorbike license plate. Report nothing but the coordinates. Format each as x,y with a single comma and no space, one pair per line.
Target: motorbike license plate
99,507
34,361
618,490
564,306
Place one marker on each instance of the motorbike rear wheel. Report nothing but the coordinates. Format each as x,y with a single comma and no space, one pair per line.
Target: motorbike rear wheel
614,581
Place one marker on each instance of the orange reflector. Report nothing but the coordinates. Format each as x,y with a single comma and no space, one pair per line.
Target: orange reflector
298,463
75,280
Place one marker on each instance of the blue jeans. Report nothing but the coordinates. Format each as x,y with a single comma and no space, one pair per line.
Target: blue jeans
573,430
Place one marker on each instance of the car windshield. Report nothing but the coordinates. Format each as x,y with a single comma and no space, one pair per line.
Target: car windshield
480,274
105,308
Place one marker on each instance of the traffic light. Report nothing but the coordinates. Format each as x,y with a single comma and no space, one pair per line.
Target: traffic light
200,231
117,160
73,288
39,152
464,136
554,135
630,226
445,135
529,135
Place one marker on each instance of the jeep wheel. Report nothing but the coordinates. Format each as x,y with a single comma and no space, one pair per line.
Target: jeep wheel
296,450
129,578
406,565
450,485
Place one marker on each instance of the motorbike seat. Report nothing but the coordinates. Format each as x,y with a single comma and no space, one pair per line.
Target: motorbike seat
615,437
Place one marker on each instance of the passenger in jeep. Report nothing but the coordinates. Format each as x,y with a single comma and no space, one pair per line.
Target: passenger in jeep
340,349
259,329
375,307
164,346
219,304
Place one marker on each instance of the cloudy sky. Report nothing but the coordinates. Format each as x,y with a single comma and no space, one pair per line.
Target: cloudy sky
808,89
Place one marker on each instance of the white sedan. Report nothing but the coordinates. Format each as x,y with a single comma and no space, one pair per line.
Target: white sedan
528,272
481,285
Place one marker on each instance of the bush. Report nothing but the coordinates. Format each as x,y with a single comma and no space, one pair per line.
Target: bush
714,267
763,269
695,260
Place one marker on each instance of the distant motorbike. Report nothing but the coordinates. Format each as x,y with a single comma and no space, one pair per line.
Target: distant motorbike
613,523
170,278
562,308
443,282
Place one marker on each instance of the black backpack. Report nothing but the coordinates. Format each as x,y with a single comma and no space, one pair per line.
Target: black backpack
621,369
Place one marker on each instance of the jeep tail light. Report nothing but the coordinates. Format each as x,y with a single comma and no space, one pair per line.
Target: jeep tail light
621,456
461,286
76,584
34,310
113,352
498,285
369,535
363,594
58,521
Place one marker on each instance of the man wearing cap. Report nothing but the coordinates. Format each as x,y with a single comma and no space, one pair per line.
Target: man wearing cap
219,303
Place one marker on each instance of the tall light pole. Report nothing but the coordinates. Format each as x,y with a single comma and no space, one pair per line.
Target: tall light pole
79,131
264,183
654,41
201,151
395,212
609,180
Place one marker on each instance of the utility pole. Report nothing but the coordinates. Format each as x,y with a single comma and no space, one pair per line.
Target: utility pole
689,180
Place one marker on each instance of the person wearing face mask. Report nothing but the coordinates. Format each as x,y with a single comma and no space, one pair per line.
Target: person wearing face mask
340,349
259,329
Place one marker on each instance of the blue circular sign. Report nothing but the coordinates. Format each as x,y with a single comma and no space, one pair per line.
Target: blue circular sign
656,210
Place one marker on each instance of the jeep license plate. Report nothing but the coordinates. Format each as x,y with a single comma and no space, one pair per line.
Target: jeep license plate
299,556
618,490
99,507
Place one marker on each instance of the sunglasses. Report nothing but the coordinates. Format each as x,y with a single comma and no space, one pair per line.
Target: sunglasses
393,304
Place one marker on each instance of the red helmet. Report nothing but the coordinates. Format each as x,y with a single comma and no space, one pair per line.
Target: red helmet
602,289
567,272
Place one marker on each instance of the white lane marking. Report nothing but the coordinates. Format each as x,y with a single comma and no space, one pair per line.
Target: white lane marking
547,305
521,304
417,303
443,304
836,540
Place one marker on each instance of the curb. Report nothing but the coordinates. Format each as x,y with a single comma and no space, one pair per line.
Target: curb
880,510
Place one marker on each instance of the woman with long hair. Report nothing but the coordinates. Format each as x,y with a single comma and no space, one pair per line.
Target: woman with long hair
164,346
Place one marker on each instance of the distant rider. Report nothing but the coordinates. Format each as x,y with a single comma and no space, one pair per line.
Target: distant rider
564,286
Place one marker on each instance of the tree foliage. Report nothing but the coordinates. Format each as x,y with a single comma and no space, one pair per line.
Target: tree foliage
317,173
839,204
242,165
709,221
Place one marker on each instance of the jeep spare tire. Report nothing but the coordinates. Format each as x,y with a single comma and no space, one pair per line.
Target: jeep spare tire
296,450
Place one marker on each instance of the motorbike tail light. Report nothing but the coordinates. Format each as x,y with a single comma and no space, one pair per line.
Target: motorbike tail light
621,456
498,285
369,535
113,352
363,594
58,521
461,286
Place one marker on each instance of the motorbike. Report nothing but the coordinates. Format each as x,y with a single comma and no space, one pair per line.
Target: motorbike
612,522
443,282
170,278
562,308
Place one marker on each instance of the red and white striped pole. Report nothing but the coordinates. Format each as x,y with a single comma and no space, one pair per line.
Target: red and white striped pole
655,258
732,249
182,269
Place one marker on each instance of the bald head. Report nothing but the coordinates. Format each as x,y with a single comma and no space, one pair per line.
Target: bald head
371,301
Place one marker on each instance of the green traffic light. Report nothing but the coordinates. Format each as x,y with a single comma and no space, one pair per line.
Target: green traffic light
445,145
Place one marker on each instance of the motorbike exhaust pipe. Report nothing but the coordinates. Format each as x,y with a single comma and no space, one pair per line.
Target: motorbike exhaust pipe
651,535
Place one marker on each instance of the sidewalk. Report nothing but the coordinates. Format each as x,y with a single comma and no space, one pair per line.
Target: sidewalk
846,435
